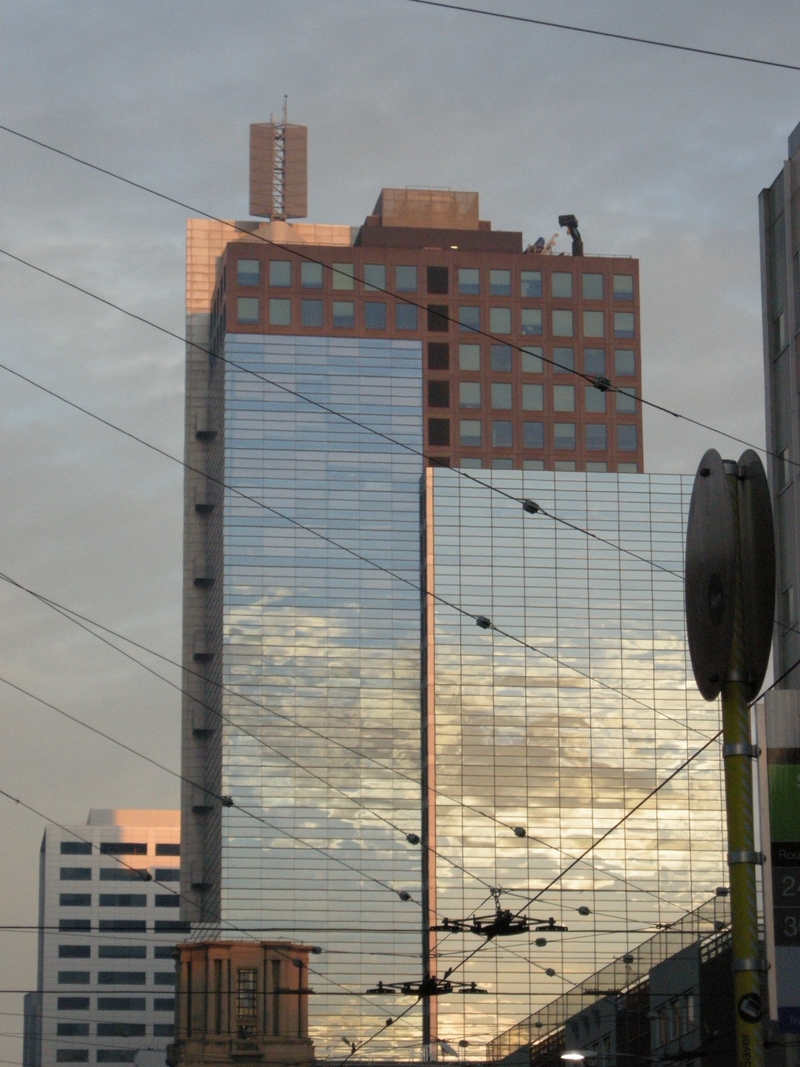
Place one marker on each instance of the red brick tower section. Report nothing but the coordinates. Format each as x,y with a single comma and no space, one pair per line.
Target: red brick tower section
503,331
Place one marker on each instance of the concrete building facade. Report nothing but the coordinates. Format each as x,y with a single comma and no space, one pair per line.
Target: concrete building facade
109,920
241,999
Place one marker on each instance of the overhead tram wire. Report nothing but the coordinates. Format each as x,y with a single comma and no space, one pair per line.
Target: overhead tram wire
85,624
480,620
225,801
607,33
294,250
632,811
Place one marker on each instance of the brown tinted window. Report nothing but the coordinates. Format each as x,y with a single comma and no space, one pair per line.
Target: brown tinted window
438,315
438,355
439,394
438,280
438,431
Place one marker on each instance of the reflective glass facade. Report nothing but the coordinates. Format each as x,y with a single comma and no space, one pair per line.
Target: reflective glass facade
330,643
564,737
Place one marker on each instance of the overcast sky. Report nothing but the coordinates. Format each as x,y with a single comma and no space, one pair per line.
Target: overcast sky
660,154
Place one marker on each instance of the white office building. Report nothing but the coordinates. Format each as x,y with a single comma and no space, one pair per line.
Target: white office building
109,918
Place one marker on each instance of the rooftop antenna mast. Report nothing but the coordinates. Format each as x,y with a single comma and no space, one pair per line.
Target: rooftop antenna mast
279,168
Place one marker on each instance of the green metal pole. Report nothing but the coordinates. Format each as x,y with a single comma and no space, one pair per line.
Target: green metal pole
742,857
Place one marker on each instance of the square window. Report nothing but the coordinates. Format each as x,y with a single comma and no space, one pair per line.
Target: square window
280,273
343,276
311,275
563,325
374,315
500,320
595,399
626,400
469,281
564,465
165,848
500,282
533,464
469,357
530,283
626,438
438,281
563,398
562,284
500,358
470,431
593,287
438,394
470,461
502,434
438,355
469,394
76,848
405,279
75,874
596,437
163,1029
624,324
627,468
72,1055
532,397
72,1029
531,321
533,435
564,360
74,952
344,314
625,362
594,361
247,310
406,316
503,464
280,312
623,287
469,318
501,394
248,271
438,431
564,434
594,324
597,466
75,900
72,1004
438,318
311,312
532,360
374,277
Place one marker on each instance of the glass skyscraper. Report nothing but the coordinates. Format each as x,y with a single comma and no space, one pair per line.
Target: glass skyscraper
558,727
335,699
313,712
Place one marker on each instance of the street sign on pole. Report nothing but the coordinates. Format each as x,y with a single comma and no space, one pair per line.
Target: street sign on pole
730,603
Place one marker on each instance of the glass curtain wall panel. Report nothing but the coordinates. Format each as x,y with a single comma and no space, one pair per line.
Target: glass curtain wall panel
320,663
564,737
